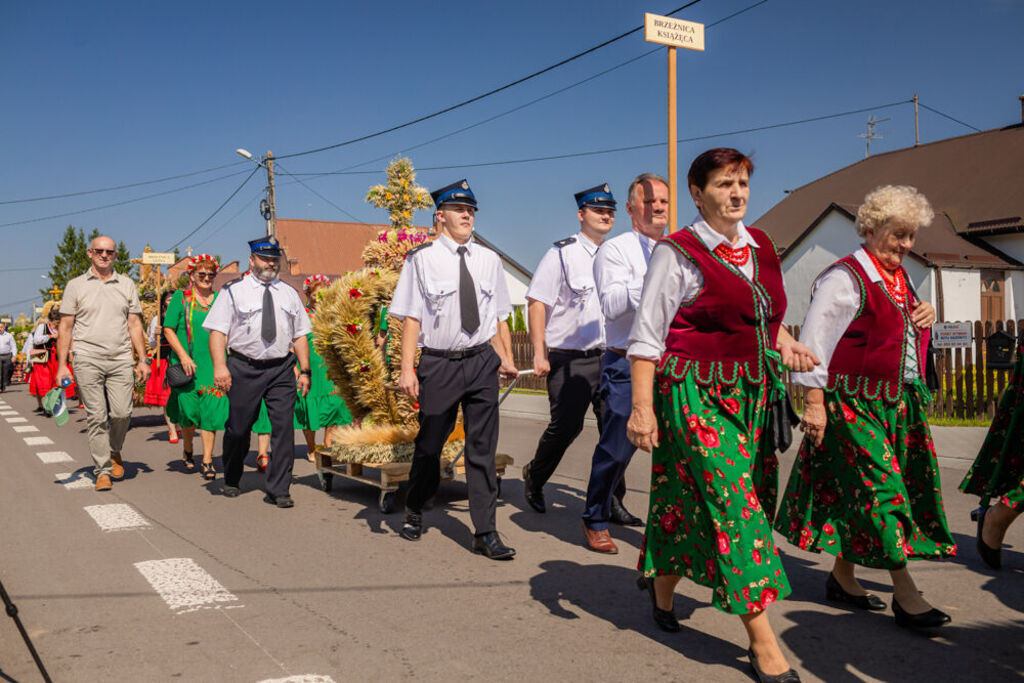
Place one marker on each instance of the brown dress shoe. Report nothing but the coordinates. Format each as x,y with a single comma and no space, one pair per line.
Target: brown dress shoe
600,541
103,482
116,466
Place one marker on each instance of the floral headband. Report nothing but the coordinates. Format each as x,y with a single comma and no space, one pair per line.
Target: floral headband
313,279
194,261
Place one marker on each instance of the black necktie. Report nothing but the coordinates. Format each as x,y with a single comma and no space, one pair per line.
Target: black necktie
467,296
269,332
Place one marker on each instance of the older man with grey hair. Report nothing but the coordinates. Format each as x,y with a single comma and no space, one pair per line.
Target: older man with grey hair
8,350
102,315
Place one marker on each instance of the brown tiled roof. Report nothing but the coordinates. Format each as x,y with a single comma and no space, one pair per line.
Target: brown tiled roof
972,181
324,246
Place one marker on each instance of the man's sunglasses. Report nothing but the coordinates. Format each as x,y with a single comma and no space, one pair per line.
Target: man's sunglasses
104,252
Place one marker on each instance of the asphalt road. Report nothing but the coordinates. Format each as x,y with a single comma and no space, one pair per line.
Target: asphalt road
178,582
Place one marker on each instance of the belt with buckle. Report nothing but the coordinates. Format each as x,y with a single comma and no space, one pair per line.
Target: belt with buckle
577,353
458,354
261,363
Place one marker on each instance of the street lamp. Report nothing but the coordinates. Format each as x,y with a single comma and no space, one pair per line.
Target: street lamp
267,208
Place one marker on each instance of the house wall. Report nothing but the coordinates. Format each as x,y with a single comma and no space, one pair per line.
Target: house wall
832,239
517,285
1011,245
1014,303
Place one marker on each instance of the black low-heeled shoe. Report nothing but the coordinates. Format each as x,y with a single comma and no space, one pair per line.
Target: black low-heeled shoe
836,593
931,619
993,557
664,618
790,676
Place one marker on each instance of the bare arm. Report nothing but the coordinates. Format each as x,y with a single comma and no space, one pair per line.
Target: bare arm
642,428
407,381
502,343
67,324
218,350
301,346
815,418
795,356
538,314
187,363
138,335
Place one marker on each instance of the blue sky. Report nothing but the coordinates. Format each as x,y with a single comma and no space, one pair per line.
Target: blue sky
112,93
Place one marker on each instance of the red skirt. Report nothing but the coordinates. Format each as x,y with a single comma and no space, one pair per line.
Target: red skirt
42,378
157,391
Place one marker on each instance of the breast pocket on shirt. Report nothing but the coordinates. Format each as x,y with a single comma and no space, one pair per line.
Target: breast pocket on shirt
487,290
440,294
248,315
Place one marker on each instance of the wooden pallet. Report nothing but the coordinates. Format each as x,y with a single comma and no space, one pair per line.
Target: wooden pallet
389,475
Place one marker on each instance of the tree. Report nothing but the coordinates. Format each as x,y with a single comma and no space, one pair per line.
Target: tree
519,322
71,259
123,262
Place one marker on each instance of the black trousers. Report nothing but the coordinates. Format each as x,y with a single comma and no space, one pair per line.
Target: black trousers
445,384
6,369
574,385
249,385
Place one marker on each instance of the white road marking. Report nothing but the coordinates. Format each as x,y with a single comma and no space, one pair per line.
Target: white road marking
116,516
304,678
12,420
184,585
38,441
54,456
8,413
26,428
78,480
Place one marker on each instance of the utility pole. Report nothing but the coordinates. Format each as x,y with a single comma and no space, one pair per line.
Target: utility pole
871,134
272,221
917,126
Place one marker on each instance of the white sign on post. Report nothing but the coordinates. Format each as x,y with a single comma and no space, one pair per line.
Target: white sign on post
673,32
952,335
154,258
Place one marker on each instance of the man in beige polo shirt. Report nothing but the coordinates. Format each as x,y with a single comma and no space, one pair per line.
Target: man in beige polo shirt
101,313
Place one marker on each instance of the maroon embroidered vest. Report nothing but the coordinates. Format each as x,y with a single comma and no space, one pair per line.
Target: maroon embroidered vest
720,333
868,361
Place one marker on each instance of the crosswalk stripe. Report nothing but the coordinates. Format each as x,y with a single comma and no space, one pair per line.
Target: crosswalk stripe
12,420
54,456
38,441
26,428
304,678
77,480
184,585
116,516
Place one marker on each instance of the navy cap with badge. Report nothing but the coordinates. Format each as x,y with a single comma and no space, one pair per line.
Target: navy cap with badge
456,193
265,246
599,197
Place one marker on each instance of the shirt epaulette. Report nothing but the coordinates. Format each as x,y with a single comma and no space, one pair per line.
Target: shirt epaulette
232,282
566,242
415,249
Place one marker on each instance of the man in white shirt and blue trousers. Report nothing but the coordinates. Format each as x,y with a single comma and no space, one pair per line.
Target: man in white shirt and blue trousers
567,333
453,303
619,270
259,318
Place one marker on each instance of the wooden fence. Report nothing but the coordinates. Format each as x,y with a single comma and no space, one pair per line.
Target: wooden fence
969,389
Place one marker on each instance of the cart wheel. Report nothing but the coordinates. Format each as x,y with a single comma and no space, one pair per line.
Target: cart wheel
387,502
499,487
326,480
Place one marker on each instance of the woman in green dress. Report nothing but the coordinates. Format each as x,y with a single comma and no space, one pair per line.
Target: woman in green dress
705,349
998,471
198,404
322,407
865,486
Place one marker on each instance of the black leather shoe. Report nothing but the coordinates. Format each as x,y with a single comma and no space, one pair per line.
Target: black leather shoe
489,545
622,516
836,593
412,528
279,501
790,676
664,618
933,618
534,496
993,557
231,492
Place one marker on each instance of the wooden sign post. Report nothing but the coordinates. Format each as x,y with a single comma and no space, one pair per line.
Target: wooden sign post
673,33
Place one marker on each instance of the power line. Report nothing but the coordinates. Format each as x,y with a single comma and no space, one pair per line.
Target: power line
301,182
482,96
119,187
23,301
217,210
15,270
122,203
235,215
936,111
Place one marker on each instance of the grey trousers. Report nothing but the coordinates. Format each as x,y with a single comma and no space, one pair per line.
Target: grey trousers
105,387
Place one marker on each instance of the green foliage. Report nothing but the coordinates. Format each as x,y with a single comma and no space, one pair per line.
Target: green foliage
71,259
519,322
123,262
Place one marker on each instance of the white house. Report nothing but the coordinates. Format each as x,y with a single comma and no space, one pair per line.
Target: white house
969,262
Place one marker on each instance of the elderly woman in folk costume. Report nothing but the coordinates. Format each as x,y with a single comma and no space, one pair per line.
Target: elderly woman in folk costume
998,471
322,407
198,403
865,486
705,351
157,392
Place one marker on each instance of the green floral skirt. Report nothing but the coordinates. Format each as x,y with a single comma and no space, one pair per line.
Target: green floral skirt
713,494
199,406
870,493
998,471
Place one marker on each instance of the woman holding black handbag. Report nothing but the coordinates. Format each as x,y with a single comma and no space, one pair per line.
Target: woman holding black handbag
865,486
195,401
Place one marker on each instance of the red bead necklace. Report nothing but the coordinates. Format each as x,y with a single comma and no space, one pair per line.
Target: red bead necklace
894,281
737,257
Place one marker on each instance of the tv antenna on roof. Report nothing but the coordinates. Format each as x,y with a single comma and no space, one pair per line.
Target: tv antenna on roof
871,134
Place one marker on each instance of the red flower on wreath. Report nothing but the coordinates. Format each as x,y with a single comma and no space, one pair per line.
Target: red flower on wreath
353,328
355,293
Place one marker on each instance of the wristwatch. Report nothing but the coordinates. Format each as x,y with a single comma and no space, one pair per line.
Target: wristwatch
305,372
